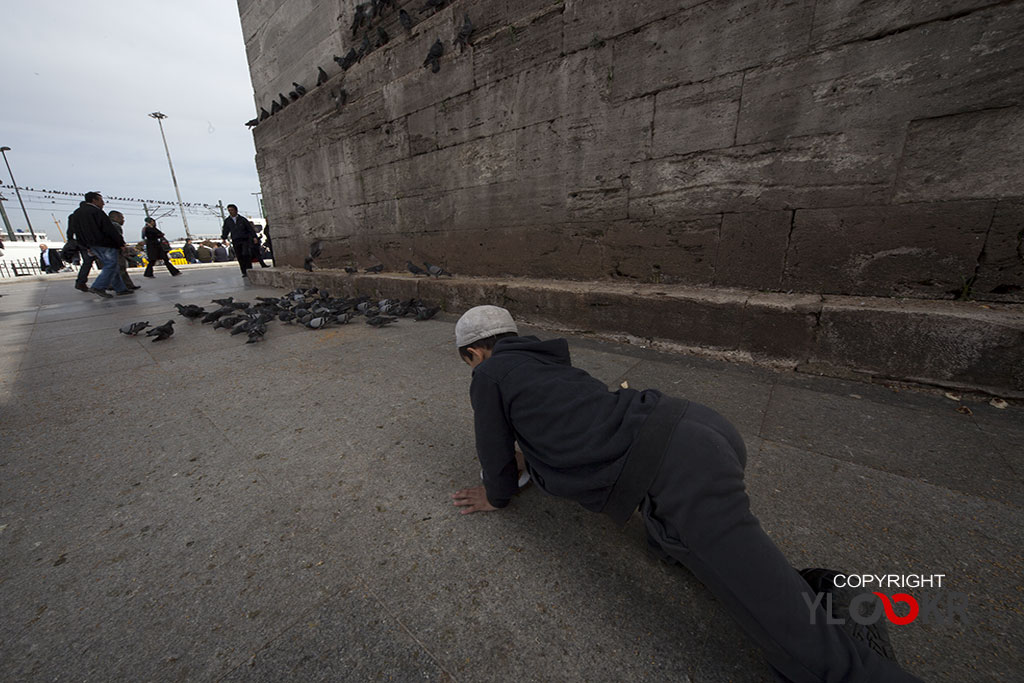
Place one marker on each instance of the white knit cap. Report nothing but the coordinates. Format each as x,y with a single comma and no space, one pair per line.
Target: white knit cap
481,322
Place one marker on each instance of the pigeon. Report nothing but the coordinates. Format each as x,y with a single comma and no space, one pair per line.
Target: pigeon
465,31
274,107
190,311
375,269
162,332
223,302
252,123
350,58
414,269
132,329
299,89
283,100
380,321
434,56
214,316
424,313
316,323
241,327
365,48
358,19
350,270
239,305
264,114
230,321
382,36
436,271
405,20
256,332
286,316
314,251
321,76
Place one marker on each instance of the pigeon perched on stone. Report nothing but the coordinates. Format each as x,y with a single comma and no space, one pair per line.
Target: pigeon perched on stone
436,271
375,269
283,100
314,252
380,320
350,270
252,123
424,313
190,311
350,58
161,332
214,316
223,302
242,327
414,269
286,316
433,59
316,323
321,76
228,322
132,329
274,107
301,90
358,19
382,36
264,114
256,332
405,20
365,48
465,31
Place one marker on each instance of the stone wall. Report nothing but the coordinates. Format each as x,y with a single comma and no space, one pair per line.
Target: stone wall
854,147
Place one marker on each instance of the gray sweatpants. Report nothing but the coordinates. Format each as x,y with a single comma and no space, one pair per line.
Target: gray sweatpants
698,512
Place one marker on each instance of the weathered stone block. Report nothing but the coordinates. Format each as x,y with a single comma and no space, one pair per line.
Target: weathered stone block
1001,276
597,149
851,168
845,21
965,156
752,249
938,69
480,113
422,128
696,117
937,342
680,251
519,47
588,24
385,144
920,250
576,86
423,88
709,40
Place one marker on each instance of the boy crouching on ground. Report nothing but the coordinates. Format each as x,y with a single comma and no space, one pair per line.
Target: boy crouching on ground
680,462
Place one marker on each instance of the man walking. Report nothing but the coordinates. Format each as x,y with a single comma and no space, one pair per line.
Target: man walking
117,218
94,230
86,256
243,236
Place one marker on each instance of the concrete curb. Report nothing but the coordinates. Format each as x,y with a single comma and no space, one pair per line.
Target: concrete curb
962,345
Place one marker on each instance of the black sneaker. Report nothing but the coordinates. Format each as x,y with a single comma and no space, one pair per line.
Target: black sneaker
126,291
81,287
99,292
875,636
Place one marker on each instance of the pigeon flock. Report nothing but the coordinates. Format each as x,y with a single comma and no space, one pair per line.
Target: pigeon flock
314,308
367,20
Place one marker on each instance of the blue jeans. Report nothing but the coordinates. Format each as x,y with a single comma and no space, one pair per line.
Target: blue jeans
109,276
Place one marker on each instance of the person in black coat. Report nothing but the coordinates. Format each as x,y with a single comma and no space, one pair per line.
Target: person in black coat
243,237
191,255
156,249
93,230
49,260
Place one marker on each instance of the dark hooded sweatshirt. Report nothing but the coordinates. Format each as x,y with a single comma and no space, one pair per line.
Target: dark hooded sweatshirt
573,432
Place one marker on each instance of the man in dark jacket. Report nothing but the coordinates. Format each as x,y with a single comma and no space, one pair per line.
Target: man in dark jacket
680,462
93,229
243,236
189,250
81,282
49,260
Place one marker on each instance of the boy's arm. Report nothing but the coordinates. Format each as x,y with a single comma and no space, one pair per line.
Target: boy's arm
495,441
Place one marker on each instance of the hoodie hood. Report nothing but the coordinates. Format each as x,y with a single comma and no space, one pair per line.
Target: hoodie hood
550,351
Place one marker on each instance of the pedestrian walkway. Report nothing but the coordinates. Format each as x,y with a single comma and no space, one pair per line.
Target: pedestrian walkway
205,509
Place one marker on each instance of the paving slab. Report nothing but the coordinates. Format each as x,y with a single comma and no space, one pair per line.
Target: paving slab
206,509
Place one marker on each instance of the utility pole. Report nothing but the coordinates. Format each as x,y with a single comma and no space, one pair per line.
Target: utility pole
220,203
7,223
259,198
146,209
4,151
159,119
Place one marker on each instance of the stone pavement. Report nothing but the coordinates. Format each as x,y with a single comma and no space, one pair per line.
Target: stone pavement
202,509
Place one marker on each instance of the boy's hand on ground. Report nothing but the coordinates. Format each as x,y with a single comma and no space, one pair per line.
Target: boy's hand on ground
473,500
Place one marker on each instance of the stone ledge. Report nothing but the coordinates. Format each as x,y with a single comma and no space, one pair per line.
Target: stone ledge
963,345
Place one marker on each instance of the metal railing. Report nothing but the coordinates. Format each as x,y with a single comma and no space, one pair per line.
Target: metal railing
19,267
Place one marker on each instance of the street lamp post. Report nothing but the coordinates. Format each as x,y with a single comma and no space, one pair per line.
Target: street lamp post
259,200
4,151
159,119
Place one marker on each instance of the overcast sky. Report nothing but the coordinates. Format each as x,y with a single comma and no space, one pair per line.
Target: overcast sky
78,82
